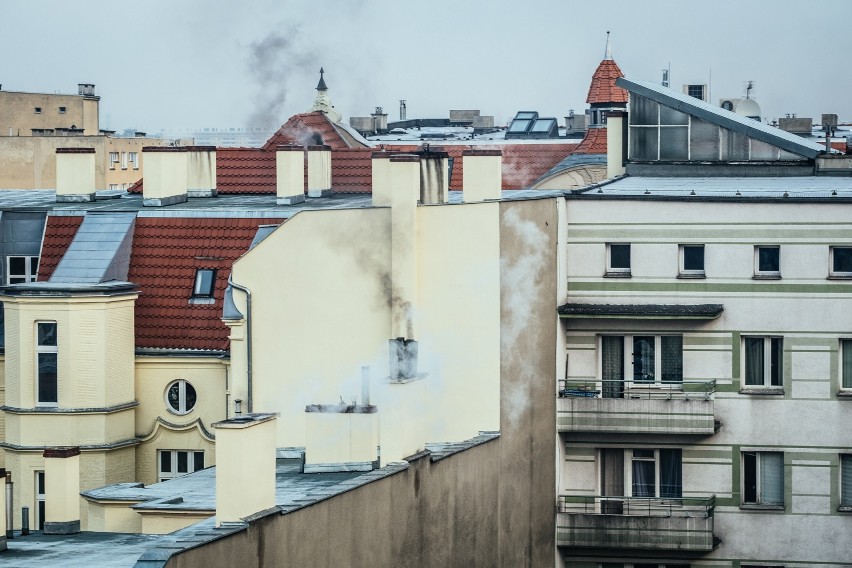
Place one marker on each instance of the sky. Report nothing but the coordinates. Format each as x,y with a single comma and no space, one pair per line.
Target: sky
175,64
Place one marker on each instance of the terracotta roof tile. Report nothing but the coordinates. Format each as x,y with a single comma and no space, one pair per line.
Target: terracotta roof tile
245,170
603,89
311,128
58,234
594,142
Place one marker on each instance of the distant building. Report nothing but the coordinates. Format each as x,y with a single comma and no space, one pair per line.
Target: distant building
47,114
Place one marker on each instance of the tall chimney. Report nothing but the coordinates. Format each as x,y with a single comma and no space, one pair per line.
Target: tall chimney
434,177
62,490
319,171
615,143
200,171
404,179
245,466
165,181
482,175
290,174
382,188
75,174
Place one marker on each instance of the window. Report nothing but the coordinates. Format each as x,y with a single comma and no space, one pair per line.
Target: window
61,110
654,359
174,463
650,473
846,482
692,260
124,160
37,110
39,500
180,397
846,364
21,269
46,363
113,160
134,159
841,262
696,91
763,478
617,260
763,361
767,262
205,278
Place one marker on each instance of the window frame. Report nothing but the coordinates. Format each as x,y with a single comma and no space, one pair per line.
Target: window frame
832,273
628,371
46,349
845,505
684,272
114,158
182,409
197,281
62,110
769,342
133,157
191,463
619,272
766,274
30,272
627,474
37,110
759,503
39,506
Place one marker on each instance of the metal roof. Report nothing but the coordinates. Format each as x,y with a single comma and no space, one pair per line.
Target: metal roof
100,251
805,187
721,117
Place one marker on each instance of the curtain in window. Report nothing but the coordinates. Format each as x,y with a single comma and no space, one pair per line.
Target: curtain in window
643,358
672,358
671,474
644,474
612,479
754,360
772,478
846,356
612,366
846,480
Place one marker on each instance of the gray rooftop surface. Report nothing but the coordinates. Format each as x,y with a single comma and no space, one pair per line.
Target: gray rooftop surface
809,187
85,549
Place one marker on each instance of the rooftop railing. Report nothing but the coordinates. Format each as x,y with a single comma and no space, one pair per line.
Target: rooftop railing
637,506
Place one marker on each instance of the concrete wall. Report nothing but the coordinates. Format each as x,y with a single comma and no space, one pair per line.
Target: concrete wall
18,116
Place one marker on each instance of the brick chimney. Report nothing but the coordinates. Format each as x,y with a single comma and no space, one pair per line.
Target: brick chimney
482,175
75,174
319,171
200,171
165,181
290,174
62,490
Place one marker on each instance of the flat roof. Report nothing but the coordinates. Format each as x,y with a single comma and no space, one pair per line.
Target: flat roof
796,188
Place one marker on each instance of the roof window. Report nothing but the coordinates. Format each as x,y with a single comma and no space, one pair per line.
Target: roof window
205,281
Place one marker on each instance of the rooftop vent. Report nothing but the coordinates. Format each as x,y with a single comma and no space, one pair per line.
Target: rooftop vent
86,89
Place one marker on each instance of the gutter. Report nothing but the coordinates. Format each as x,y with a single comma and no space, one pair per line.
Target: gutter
248,338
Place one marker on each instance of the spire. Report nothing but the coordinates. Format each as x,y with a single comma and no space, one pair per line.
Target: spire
608,50
323,101
321,85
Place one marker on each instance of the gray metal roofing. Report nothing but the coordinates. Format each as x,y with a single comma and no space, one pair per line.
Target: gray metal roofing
721,117
727,187
100,251
572,161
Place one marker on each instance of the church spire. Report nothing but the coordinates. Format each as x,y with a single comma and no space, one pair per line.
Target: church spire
608,50
323,101
321,85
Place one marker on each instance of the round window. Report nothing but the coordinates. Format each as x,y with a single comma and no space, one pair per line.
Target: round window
180,397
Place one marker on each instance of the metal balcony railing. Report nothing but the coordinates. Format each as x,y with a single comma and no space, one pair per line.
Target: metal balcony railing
701,507
671,390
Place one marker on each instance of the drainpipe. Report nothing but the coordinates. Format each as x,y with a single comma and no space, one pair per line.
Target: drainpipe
248,337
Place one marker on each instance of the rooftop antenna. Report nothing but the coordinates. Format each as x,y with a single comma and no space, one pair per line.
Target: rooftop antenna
608,50
667,75
749,85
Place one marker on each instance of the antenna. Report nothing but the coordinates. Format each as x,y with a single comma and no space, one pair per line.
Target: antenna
748,86
608,50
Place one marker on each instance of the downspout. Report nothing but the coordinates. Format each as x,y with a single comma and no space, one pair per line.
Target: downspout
248,338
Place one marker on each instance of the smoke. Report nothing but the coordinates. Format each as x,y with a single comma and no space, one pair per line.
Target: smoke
274,61
522,282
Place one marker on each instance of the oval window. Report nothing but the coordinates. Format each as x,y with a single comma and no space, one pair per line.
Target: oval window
180,397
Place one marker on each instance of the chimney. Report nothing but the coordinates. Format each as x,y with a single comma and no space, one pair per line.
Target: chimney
62,490
165,180
245,466
615,150
290,174
341,437
482,175
75,174
319,171
404,181
382,187
200,171
434,177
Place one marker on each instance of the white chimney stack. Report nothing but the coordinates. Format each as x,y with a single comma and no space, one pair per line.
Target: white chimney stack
482,175
382,189
165,179
200,171
404,181
615,143
319,171
290,174
75,174
62,490
434,177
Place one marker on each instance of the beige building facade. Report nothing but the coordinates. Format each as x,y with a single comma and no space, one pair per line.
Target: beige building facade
47,114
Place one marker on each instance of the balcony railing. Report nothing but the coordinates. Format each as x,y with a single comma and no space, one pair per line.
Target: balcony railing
606,406
636,523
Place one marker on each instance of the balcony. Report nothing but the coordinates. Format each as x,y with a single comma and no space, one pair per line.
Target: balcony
625,407
636,523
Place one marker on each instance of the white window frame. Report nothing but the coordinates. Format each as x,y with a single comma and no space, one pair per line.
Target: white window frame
628,472
190,463
197,291
767,362
123,160
682,270
134,159
113,159
766,273
628,360
45,349
30,272
841,361
620,271
38,498
182,409
831,271
757,473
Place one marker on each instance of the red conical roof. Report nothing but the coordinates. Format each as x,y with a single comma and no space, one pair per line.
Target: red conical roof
603,89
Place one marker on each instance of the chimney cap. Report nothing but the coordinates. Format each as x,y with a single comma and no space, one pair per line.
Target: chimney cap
318,148
405,158
75,150
482,153
289,148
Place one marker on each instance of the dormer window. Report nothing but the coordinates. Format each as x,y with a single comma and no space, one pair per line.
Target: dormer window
205,280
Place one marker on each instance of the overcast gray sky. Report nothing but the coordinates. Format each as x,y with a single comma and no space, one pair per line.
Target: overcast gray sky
196,63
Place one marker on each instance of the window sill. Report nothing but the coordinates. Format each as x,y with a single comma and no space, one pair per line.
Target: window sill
841,276
610,274
756,507
691,276
844,394
202,301
768,391
844,509
767,276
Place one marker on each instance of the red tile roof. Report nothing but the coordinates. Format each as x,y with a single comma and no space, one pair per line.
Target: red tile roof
603,89
166,252
58,234
594,142
245,170
312,128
